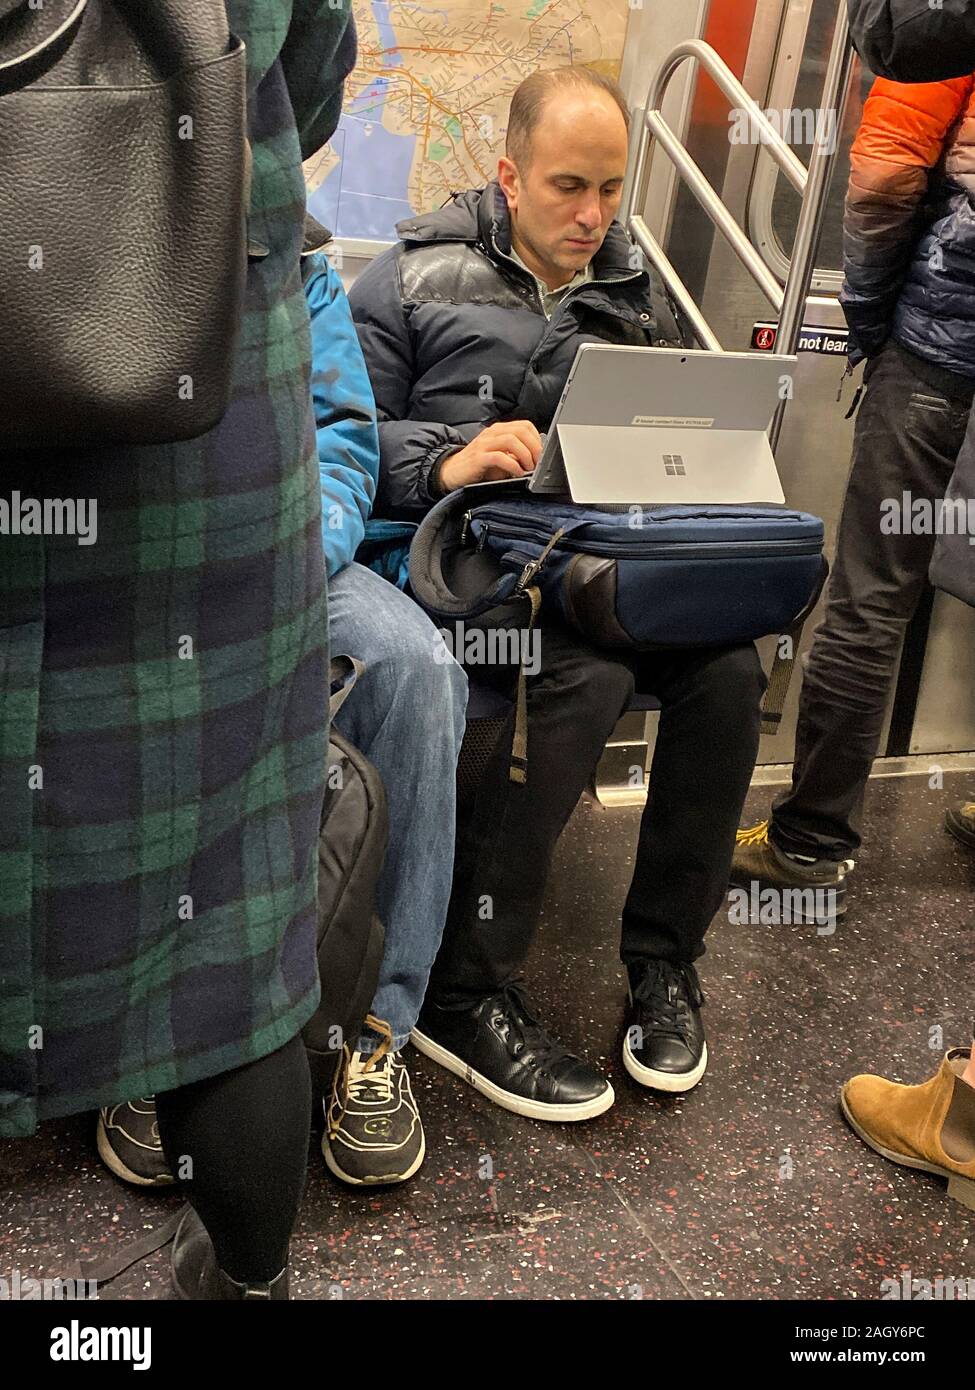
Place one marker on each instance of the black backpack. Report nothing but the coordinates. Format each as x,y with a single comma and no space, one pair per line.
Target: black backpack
351,848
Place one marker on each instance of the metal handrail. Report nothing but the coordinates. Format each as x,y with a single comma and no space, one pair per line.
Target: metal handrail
812,185
836,86
655,127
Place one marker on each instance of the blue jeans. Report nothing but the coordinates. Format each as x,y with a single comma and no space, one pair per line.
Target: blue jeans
406,715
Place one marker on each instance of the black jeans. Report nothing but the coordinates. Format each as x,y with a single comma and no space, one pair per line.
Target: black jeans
907,438
702,764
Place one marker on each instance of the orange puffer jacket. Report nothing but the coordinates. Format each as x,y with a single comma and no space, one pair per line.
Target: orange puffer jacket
909,230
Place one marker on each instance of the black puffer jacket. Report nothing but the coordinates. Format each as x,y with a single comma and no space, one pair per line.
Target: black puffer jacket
915,40
455,338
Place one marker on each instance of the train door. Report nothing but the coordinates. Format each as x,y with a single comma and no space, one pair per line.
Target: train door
780,50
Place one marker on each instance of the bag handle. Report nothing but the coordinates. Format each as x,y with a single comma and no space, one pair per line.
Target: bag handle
344,671
62,32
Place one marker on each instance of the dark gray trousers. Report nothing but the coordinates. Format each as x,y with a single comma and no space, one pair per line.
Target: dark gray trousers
907,439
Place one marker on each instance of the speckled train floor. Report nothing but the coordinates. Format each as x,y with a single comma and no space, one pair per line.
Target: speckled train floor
750,1187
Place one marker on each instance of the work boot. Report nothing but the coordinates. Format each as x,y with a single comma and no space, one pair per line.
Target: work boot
930,1127
758,860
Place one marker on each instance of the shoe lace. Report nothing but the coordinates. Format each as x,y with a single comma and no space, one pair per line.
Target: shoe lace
525,1033
369,1080
753,834
665,996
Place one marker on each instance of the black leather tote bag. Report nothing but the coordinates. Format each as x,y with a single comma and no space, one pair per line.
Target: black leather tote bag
123,205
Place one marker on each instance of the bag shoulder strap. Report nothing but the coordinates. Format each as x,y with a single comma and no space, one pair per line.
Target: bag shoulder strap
46,45
344,671
780,676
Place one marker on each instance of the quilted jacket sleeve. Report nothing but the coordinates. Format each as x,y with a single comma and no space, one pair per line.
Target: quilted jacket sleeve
409,449
901,139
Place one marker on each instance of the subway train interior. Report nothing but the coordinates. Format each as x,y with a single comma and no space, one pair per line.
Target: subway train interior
820,1145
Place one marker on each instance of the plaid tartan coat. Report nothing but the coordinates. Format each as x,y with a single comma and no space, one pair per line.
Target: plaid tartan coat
163,692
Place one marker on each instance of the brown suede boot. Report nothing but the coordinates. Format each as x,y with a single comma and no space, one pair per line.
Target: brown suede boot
960,822
931,1127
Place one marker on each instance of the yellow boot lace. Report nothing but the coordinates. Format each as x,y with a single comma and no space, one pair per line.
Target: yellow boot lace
753,835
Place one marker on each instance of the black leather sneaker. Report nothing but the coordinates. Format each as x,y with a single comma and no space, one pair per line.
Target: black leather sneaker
500,1049
664,1047
128,1143
373,1133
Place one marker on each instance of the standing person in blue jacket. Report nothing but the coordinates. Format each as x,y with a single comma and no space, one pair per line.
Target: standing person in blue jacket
407,716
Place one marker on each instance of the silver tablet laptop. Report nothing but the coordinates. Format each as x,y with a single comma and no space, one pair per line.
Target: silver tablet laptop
659,425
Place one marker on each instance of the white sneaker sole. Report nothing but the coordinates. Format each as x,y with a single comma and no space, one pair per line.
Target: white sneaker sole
674,1083
531,1109
386,1180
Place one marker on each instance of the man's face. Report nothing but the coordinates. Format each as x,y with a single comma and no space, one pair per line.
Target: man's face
563,202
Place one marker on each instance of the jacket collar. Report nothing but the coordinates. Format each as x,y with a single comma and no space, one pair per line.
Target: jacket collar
481,215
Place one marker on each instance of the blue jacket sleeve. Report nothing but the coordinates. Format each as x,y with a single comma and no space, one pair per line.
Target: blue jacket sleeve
345,417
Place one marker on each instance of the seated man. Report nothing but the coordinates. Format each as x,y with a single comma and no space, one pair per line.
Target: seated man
406,715
469,327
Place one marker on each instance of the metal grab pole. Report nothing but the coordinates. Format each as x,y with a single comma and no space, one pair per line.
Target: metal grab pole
658,258
835,90
656,130
702,54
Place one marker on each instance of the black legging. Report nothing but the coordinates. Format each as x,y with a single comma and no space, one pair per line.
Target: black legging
246,1134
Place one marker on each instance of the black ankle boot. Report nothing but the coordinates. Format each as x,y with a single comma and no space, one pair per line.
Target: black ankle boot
197,1275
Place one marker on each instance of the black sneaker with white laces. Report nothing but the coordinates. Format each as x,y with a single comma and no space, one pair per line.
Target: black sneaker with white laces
129,1145
500,1048
373,1133
664,1047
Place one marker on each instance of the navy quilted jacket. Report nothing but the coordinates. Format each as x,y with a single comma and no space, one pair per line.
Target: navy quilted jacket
455,338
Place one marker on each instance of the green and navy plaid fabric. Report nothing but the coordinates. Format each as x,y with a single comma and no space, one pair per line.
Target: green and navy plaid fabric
163,693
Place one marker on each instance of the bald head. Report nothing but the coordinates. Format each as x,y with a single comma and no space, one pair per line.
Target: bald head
556,85
563,168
